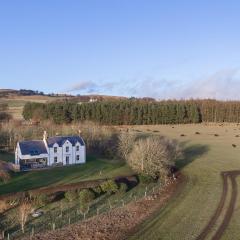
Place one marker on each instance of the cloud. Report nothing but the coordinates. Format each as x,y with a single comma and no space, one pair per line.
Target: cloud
82,86
91,87
224,84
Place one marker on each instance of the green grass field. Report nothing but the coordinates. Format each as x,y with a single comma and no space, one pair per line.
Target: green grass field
62,175
207,155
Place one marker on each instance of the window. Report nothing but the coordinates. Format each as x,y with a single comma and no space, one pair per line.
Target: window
55,149
55,159
77,148
67,149
77,157
67,159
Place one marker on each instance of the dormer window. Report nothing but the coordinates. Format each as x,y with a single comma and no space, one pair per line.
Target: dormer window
55,149
67,149
77,148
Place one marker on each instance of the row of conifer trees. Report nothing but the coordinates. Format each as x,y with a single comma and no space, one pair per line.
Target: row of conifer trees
133,112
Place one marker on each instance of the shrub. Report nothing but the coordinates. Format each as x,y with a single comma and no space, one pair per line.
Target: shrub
4,176
71,195
109,186
97,190
153,156
216,135
237,136
86,196
197,133
182,135
41,200
145,179
234,145
3,206
123,187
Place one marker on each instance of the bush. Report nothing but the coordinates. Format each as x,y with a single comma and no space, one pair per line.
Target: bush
216,135
41,200
97,190
71,195
3,206
182,135
197,133
153,156
86,196
145,179
109,186
123,187
234,145
4,176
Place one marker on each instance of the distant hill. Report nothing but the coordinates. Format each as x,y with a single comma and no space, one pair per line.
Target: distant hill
12,93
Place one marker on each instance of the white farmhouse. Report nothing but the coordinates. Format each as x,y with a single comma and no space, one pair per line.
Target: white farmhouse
52,151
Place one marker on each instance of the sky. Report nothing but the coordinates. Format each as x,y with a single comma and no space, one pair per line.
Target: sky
154,48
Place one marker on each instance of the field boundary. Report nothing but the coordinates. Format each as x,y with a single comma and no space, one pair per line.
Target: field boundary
67,187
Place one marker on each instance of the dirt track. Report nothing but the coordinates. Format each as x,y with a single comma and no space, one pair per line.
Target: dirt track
219,232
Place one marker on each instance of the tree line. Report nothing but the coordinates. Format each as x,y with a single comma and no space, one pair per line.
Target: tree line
135,112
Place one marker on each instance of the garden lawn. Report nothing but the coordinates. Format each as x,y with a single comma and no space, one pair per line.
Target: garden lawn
94,168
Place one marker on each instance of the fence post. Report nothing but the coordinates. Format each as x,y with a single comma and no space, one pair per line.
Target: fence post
97,211
53,226
3,233
110,205
32,233
8,236
69,220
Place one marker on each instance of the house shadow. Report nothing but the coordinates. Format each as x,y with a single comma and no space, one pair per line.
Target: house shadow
191,153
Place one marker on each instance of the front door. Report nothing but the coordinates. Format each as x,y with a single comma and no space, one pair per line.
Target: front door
67,160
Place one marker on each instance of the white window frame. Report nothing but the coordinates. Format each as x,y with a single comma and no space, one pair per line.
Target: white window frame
67,149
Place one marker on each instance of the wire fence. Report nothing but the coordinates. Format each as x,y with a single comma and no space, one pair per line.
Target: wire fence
59,218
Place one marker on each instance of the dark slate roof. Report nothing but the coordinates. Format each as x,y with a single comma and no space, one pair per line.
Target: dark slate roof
34,147
61,140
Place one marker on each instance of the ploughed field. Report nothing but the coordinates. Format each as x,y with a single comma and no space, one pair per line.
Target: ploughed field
209,150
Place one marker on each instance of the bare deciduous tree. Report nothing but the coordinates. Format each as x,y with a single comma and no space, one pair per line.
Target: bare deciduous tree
24,210
125,144
153,156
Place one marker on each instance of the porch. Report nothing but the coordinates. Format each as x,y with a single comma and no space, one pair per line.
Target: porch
33,163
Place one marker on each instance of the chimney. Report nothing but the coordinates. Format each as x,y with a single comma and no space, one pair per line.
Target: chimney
45,136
